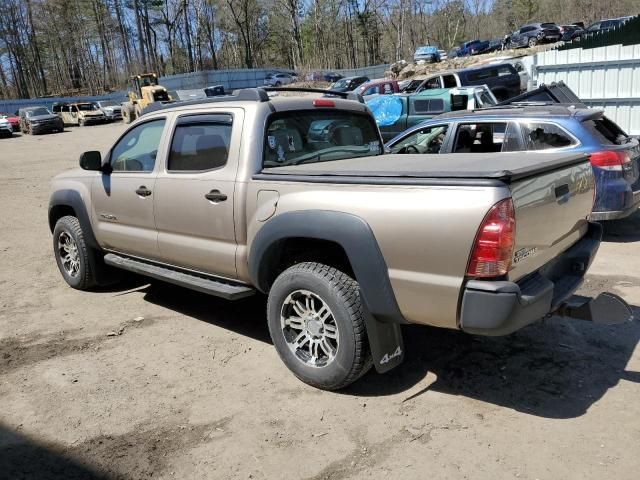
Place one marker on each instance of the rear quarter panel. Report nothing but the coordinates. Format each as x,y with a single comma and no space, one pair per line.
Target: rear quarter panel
425,234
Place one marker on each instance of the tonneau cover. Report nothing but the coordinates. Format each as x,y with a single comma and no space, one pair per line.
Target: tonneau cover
497,166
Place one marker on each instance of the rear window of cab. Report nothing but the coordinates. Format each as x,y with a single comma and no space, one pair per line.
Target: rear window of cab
319,135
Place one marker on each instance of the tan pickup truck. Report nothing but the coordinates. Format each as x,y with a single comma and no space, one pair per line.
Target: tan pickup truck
295,197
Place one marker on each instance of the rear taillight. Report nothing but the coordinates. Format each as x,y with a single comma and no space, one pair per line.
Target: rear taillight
610,160
493,248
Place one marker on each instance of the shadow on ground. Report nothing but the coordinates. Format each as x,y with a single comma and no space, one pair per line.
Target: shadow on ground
556,369
24,458
623,231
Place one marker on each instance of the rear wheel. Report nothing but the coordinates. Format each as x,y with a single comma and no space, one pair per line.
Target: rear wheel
317,325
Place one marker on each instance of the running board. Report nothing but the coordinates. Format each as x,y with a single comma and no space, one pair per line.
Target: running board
218,288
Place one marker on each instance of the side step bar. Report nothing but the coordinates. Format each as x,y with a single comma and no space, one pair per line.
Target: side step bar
218,288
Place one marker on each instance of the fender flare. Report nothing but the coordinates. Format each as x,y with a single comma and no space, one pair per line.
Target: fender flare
72,199
354,235
349,231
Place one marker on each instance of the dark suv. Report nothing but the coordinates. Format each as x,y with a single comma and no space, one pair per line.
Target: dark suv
502,79
608,24
36,120
533,34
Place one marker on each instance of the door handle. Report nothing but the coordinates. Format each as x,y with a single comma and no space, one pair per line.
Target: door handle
215,196
143,191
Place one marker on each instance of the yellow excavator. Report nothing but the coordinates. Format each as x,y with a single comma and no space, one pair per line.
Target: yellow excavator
144,91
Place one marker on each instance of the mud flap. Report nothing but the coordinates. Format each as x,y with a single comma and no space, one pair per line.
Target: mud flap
385,341
606,309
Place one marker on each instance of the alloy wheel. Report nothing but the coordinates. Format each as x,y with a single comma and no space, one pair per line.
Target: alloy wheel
309,328
69,256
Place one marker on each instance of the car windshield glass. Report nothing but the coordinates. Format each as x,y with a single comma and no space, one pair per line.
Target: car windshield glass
108,103
319,135
342,83
86,107
37,112
426,50
548,25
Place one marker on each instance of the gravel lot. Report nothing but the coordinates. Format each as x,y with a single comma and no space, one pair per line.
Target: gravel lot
192,388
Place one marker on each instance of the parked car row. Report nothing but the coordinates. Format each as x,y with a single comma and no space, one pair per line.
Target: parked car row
39,120
533,34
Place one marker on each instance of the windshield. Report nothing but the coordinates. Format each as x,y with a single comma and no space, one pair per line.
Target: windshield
108,103
86,107
426,50
342,83
36,112
319,135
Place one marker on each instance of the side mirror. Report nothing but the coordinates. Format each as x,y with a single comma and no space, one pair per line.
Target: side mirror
91,160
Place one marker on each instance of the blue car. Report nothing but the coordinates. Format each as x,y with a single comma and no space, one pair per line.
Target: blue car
615,157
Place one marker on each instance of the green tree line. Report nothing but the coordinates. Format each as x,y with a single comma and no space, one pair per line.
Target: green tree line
59,47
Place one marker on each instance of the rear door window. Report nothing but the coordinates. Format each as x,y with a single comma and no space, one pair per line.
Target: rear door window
546,136
428,106
482,74
319,135
449,81
504,71
200,143
485,137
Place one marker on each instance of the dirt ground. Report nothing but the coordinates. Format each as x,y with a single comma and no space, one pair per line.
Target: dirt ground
190,386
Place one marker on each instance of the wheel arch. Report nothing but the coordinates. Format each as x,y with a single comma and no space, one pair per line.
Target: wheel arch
69,202
352,245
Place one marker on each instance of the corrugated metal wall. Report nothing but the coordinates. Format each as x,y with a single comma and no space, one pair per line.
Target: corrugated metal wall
605,77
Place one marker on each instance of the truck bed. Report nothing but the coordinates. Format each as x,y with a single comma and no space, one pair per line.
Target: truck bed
504,167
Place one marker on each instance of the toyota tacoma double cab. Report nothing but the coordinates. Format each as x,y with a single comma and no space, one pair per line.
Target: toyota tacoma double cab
294,197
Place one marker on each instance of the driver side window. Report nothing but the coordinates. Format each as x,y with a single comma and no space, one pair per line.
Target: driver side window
425,140
137,150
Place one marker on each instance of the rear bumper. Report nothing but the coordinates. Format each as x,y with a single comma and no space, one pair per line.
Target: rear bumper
502,307
631,205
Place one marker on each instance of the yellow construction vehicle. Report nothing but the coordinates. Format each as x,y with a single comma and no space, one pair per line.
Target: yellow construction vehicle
144,91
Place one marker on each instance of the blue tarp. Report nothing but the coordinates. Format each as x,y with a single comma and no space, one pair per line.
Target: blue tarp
386,109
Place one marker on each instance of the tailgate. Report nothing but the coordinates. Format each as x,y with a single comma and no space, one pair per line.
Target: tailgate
552,211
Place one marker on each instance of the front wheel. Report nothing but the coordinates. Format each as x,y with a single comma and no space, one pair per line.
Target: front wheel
317,325
533,41
72,253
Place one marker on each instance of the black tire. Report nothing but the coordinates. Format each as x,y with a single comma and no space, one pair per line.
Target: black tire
127,114
70,226
341,294
533,41
278,84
